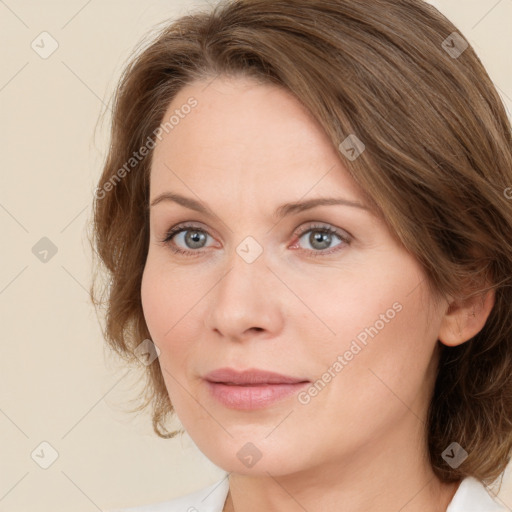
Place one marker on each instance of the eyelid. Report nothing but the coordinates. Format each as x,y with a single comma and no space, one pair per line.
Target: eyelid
345,235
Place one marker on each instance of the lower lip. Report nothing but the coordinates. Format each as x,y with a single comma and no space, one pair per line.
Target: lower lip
252,397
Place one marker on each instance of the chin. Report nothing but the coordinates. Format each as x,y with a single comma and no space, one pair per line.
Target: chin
254,455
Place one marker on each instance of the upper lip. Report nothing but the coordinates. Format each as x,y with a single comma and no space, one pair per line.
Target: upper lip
250,376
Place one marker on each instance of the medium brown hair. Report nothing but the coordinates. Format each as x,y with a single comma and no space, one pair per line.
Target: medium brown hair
436,164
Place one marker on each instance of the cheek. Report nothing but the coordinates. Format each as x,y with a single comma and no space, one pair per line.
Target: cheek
389,373
382,339
170,312
381,383
151,301
162,309
165,296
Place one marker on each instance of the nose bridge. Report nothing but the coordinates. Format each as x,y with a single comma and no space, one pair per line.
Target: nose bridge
247,270
242,299
243,282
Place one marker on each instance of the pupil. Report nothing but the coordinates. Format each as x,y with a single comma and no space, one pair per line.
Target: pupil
323,238
194,238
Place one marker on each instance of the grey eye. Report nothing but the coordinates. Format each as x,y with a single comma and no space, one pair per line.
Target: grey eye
319,239
192,238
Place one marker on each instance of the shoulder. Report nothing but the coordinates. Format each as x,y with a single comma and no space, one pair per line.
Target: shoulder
472,496
206,499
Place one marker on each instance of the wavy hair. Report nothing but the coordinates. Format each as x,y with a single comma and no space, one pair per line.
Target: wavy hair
437,166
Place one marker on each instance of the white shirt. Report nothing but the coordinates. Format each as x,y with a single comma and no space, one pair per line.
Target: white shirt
471,496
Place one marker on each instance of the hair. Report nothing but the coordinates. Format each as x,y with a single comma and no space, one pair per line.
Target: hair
436,166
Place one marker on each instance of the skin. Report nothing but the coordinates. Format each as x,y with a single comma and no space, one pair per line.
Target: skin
243,151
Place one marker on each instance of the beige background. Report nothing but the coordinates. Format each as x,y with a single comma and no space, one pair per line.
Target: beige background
58,382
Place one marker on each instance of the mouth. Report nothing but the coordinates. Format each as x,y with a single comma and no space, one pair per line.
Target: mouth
250,377
251,389
251,397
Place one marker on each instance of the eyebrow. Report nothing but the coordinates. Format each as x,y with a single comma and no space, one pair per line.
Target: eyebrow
280,212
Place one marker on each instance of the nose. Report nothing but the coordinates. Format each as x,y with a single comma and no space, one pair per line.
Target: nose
246,301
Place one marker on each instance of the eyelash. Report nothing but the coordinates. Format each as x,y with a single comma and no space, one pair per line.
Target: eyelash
313,227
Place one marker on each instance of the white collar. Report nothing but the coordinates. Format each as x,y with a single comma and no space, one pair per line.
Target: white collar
471,496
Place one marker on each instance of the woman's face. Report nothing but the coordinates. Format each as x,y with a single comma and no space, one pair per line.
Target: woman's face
345,309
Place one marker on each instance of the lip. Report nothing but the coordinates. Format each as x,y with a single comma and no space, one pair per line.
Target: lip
251,389
252,376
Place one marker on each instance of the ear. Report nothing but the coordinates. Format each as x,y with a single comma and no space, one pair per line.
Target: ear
465,318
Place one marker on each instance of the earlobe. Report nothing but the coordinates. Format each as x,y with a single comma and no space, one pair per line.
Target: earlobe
465,318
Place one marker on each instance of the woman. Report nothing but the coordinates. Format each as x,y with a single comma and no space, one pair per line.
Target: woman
305,215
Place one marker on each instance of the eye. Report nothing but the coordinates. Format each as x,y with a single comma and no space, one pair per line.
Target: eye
320,239
188,239
189,236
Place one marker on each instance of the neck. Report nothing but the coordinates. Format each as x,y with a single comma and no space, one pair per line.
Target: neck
386,474
434,496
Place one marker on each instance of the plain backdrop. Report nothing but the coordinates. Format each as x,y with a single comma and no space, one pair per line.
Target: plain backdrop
60,385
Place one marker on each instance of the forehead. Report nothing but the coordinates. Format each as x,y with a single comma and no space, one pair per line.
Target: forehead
245,133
